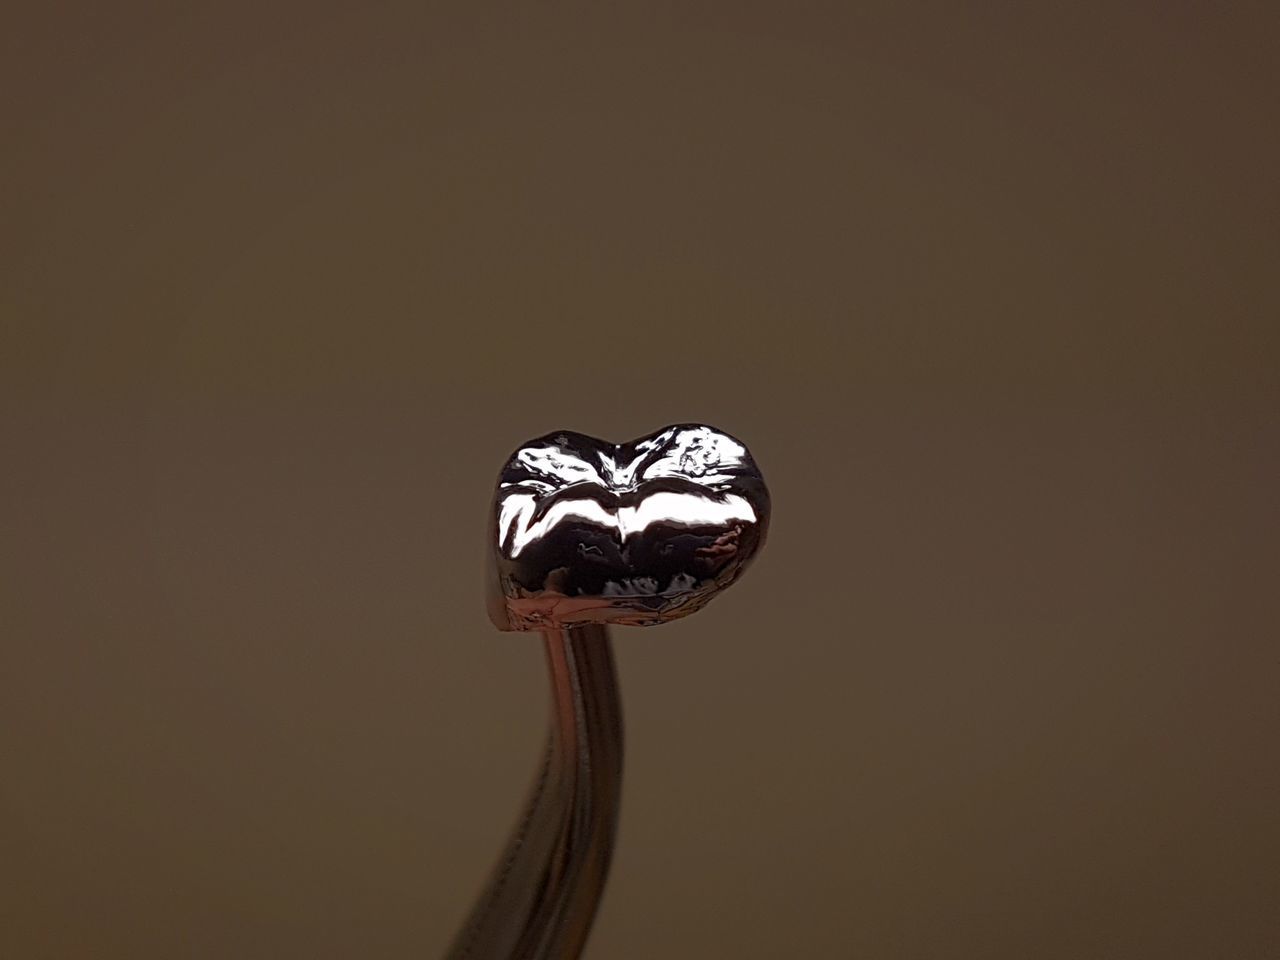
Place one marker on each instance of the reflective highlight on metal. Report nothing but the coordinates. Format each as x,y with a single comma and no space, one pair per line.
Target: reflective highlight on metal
587,533
638,533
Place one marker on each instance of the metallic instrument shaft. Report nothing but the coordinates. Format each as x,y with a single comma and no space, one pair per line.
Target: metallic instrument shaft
542,898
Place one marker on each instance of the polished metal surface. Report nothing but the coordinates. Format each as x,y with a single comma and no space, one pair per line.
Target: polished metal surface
542,897
638,533
586,533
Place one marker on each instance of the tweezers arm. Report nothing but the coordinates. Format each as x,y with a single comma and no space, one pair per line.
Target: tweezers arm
542,897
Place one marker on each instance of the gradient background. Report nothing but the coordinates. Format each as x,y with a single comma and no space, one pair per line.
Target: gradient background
990,293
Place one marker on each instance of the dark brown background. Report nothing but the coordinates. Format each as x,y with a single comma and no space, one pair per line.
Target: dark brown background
990,294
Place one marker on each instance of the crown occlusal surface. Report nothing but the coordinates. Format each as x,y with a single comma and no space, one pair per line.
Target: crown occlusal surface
641,532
